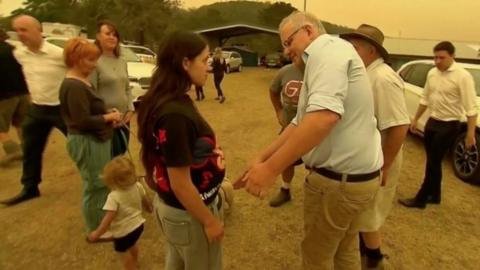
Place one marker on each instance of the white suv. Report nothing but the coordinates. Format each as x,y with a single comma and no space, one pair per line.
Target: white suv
466,164
139,73
145,54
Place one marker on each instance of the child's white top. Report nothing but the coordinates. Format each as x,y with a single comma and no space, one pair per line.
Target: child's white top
128,205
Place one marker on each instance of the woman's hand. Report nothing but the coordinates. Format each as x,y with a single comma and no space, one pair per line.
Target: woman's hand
214,230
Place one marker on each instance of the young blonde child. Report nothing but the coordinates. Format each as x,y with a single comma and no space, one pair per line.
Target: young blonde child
123,217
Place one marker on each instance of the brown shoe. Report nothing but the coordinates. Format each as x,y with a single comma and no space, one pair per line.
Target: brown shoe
282,197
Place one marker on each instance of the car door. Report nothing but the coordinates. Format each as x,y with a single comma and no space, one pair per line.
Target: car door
415,76
236,60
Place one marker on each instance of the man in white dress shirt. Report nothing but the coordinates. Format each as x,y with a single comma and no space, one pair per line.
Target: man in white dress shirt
44,71
449,94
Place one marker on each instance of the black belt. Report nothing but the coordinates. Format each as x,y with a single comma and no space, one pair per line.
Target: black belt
350,177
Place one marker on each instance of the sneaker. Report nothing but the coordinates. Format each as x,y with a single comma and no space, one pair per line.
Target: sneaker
282,197
222,99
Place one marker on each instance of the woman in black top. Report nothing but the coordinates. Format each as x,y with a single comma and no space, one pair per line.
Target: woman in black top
183,162
89,127
218,68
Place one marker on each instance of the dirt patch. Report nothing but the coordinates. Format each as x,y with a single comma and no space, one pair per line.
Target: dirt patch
47,233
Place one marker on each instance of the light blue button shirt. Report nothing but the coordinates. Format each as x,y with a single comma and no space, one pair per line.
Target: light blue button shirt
336,80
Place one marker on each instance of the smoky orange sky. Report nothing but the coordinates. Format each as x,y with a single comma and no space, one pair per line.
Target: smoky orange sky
427,19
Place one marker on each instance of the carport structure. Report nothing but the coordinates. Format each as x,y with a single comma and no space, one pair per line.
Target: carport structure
223,33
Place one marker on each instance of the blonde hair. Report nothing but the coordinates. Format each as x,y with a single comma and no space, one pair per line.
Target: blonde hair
119,173
218,53
78,49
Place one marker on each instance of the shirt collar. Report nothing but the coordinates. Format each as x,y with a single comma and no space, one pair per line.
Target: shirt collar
44,48
317,43
379,61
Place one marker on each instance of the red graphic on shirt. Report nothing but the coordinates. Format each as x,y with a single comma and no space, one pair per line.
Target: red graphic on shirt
207,178
161,136
161,179
291,92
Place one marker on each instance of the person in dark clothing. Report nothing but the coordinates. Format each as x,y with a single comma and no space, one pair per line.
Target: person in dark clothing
218,68
182,159
199,93
14,100
89,127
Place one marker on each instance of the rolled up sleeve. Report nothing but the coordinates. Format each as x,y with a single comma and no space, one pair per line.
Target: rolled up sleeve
327,83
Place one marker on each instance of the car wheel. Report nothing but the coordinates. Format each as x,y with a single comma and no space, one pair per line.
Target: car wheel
466,163
227,70
240,68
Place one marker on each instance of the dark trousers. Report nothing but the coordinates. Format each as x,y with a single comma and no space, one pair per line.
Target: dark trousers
199,92
217,79
439,137
120,139
38,123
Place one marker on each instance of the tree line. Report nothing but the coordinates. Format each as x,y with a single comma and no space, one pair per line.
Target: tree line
146,21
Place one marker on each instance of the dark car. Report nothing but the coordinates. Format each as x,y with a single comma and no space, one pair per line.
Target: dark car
276,59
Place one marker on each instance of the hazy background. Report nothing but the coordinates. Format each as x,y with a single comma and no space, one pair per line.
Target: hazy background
429,19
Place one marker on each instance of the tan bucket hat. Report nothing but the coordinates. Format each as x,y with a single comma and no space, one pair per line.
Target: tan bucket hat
372,35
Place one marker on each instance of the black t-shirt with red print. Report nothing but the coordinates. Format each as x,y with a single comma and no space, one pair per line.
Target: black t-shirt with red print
184,138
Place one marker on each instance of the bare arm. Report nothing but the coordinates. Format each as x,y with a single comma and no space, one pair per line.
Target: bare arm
311,131
277,106
147,204
103,227
188,195
420,110
470,139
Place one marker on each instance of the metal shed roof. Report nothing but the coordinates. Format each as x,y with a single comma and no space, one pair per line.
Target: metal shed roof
235,30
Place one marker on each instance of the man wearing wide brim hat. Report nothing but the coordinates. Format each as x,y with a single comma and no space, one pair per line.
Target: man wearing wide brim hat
393,122
372,35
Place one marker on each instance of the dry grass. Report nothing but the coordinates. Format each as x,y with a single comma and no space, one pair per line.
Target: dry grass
47,233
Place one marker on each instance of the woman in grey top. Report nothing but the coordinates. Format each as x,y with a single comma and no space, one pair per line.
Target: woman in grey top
89,127
110,79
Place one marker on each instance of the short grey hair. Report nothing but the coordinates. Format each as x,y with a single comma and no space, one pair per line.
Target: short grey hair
298,19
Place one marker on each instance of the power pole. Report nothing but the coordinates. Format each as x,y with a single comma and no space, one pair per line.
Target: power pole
304,5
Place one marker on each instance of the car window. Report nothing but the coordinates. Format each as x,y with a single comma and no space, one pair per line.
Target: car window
128,55
476,77
226,55
405,72
140,50
418,74
236,55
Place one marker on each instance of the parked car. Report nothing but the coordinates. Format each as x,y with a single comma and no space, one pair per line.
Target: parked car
145,54
139,73
276,59
466,163
233,61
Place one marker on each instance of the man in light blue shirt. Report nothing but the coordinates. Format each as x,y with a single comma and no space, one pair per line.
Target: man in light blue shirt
335,133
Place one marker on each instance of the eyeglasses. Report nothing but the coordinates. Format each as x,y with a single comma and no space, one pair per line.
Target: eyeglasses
289,40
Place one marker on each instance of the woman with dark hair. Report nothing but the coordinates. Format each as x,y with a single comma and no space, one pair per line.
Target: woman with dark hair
110,79
218,69
89,127
183,162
